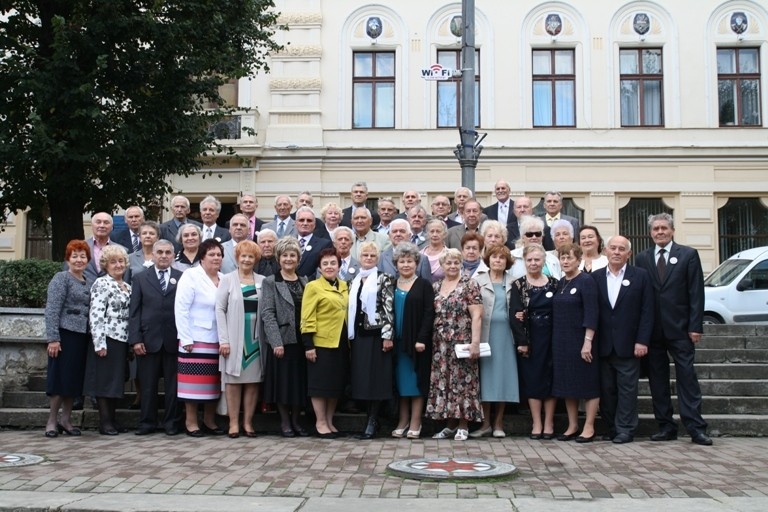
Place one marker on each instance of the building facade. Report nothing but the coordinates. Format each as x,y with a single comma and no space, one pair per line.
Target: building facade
626,107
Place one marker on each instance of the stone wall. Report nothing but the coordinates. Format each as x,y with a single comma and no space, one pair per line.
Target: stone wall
22,347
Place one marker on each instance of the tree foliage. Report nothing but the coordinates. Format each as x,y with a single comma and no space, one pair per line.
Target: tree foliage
102,100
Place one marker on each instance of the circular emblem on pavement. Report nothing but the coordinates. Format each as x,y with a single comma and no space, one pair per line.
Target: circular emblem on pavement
8,460
450,468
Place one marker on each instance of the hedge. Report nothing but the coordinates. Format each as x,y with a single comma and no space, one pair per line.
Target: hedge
24,283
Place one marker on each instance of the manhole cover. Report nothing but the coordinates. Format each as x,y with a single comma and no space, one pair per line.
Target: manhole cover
8,460
446,467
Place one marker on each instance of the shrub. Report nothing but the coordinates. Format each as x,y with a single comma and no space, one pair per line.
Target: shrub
24,283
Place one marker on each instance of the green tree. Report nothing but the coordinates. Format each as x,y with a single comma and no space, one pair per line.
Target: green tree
102,100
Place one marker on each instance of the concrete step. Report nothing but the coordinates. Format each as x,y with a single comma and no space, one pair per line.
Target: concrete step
729,371
18,399
722,387
736,330
516,424
734,342
717,404
722,355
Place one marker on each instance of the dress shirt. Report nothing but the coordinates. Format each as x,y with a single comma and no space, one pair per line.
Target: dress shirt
503,212
614,283
656,250
551,219
208,231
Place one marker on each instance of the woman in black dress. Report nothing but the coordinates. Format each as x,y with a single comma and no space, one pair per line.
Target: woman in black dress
535,362
576,372
66,327
285,381
371,333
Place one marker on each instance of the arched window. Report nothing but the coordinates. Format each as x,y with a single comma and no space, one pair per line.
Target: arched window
633,221
741,224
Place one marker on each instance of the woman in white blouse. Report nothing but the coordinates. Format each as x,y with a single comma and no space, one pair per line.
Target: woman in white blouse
199,380
105,371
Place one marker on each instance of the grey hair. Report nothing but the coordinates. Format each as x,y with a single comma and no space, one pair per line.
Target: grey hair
305,209
406,250
471,194
363,209
277,198
186,201
498,226
264,232
184,227
342,229
401,221
556,194
528,222
386,199
286,244
560,223
417,207
360,184
434,221
629,244
451,254
661,216
210,199
160,243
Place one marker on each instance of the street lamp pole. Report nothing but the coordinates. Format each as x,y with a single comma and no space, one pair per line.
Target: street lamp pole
469,150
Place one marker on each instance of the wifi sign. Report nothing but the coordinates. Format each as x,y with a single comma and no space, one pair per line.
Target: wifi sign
436,72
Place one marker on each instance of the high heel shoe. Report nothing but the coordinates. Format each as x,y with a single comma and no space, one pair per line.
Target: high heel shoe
74,431
482,432
399,433
414,434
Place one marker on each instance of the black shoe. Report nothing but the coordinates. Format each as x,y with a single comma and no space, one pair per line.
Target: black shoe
702,439
144,431
74,431
567,437
622,438
111,431
327,435
548,436
195,433
582,439
365,436
250,433
300,432
536,437
51,433
171,431
664,435
212,431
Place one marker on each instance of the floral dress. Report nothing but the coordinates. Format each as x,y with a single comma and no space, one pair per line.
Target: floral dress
454,386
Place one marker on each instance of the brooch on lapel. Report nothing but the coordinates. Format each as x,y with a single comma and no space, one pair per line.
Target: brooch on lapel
625,282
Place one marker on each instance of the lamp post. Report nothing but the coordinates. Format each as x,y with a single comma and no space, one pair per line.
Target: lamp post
469,150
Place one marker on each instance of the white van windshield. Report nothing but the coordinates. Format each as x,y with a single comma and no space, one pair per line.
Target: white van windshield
726,272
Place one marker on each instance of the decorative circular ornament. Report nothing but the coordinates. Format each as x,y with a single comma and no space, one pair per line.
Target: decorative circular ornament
8,460
573,291
641,23
739,22
441,468
625,282
673,260
553,24
373,27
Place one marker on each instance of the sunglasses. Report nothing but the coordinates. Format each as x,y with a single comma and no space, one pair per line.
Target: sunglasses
531,234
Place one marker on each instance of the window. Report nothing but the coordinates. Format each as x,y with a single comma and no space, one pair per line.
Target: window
554,88
742,224
373,90
633,222
449,91
641,87
738,86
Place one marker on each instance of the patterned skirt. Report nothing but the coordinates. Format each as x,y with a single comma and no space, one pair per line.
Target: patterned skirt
199,377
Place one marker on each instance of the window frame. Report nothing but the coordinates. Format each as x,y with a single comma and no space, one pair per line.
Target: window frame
374,80
738,77
553,77
641,77
456,81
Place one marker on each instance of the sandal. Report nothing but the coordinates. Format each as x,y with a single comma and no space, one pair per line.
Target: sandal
461,434
446,433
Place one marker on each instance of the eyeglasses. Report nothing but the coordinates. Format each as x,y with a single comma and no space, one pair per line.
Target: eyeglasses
532,234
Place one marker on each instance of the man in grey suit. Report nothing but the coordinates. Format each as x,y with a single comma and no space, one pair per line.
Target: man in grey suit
625,301
472,218
283,225
238,231
553,204
460,197
678,284
342,241
152,334
210,208
399,232
101,226
169,229
129,237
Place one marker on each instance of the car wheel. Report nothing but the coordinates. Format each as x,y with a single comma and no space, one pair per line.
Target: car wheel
711,319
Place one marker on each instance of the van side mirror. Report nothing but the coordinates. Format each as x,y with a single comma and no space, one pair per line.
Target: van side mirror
744,284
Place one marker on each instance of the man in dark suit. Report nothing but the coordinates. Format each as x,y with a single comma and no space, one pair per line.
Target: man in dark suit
129,237
152,334
524,208
169,229
359,197
306,199
553,204
678,285
248,205
503,210
441,208
310,245
210,208
625,299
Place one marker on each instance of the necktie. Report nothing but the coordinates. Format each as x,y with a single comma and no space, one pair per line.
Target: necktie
302,243
208,233
343,270
136,244
415,239
281,229
163,283
661,265
252,226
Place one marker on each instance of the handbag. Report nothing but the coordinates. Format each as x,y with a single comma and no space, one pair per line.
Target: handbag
462,350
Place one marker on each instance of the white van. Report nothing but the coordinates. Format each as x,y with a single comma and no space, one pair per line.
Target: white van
736,292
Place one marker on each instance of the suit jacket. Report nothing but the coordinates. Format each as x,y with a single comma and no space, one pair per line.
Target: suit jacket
230,320
573,220
310,259
228,263
323,313
680,298
124,238
488,293
492,212
387,266
92,272
151,319
258,223
381,241
136,262
346,217
353,267
169,230
321,231
277,312
455,234
290,227
630,321
218,232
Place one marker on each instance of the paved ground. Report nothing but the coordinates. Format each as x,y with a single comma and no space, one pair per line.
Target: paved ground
270,466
